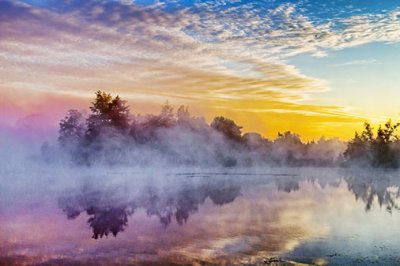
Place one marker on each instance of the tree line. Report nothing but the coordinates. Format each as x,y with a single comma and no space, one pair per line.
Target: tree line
111,134
378,150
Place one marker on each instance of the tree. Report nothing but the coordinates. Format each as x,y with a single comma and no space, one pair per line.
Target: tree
255,141
288,146
107,114
119,114
183,115
288,139
72,128
367,135
382,148
325,152
359,148
377,151
167,117
227,127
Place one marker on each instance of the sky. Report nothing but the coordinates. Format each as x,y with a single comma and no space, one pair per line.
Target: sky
315,67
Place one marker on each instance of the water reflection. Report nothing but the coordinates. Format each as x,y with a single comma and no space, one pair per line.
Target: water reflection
214,219
109,209
107,214
368,187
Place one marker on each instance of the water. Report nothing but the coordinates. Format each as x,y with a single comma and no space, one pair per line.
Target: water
258,217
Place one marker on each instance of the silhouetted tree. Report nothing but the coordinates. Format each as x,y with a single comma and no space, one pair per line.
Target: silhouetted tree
367,135
376,151
227,127
382,147
358,150
107,114
99,118
119,114
72,128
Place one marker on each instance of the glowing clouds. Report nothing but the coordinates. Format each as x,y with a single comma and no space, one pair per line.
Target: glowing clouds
207,55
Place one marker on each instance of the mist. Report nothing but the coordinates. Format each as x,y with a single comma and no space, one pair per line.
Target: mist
109,144
111,135
104,169
111,147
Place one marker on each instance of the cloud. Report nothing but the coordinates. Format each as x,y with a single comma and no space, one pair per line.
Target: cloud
227,53
361,62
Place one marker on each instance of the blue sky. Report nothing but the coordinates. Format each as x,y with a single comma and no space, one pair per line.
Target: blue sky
365,77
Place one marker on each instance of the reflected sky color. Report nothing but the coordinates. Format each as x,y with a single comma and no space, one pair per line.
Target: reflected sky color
314,67
291,214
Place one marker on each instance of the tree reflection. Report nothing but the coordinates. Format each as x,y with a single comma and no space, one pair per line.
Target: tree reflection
107,214
370,187
287,184
366,187
109,211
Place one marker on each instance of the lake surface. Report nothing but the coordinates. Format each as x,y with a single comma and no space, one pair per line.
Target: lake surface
268,216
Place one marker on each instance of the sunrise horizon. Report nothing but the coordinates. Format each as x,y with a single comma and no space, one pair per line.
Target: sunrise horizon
269,129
